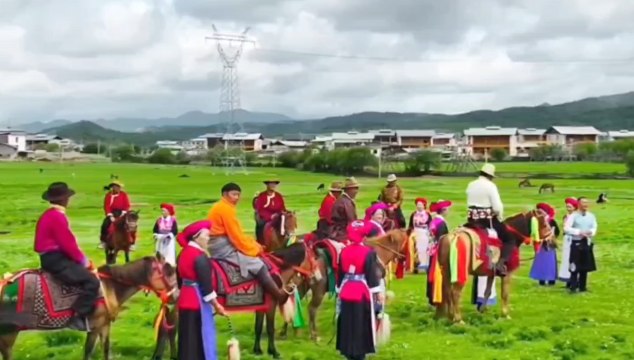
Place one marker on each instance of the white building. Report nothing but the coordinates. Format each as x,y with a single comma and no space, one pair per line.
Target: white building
572,135
619,135
528,139
279,146
415,138
32,141
169,144
14,138
479,142
444,140
249,142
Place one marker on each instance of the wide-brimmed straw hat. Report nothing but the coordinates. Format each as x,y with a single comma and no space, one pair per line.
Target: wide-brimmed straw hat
351,183
57,191
391,178
115,182
488,169
336,186
275,181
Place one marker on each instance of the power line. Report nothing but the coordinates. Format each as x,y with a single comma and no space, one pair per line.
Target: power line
442,60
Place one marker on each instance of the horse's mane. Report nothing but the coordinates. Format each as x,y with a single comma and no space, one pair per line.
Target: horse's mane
293,255
129,273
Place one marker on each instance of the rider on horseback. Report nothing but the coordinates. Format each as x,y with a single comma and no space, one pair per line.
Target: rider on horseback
268,205
228,242
115,205
486,210
59,252
344,212
324,225
374,218
392,195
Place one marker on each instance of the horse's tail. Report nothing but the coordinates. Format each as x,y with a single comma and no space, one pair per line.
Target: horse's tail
458,258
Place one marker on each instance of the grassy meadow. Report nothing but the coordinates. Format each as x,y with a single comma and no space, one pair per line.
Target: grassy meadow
547,323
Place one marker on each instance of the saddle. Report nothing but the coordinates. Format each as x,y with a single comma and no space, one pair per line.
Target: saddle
44,301
237,293
487,249
330,251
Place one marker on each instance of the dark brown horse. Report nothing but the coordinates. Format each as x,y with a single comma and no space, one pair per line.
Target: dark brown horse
278,232
118,284
121,238
546,187
519,227
389,247
525,183
297,263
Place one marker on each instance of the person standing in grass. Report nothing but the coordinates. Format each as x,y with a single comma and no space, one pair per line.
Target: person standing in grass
564,273
582,227
419,223
196,328
165,231
544,268
438,228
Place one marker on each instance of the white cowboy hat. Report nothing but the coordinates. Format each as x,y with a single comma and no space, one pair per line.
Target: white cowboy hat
488,169
391,178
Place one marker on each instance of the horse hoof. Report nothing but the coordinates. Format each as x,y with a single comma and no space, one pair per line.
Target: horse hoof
257,352
315,338
283,336
506,317
460,322
274,354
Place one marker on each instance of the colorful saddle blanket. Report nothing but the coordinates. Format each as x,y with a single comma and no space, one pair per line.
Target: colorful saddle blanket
43,300
237,293
487,249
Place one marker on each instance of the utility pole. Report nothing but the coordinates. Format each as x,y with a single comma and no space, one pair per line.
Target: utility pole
230,93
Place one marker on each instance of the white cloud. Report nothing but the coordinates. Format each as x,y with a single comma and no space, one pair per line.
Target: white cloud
148,58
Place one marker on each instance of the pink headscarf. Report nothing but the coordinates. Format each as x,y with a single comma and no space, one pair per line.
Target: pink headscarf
373,209
191,231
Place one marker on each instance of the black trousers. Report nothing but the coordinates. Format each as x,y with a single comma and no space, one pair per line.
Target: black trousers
500,228
578,280
71,273
105,225
259,231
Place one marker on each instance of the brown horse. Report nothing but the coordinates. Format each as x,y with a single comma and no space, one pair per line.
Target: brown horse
297,264
519,227
547,186
389,247
391,221
118,284
125,228
278,232
525,183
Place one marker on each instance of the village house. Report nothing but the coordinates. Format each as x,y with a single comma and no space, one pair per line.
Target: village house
248,142
34,141
479,142
443,140
619,135
384,137
280,146
528,139
13,138
213,140
415,138
572,135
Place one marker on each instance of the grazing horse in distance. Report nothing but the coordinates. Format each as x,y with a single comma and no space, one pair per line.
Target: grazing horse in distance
525,183
120,239
547,186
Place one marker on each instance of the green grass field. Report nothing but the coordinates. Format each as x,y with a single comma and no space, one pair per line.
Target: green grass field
547,323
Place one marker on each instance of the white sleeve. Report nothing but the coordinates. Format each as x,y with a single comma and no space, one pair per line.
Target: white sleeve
210,296
593,230
568,230
496,201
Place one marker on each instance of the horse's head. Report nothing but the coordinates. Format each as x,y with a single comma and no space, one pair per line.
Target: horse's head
131,220
162,279
392,245
288,224
299,258
520,226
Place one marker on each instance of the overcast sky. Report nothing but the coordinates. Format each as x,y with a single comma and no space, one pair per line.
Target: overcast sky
79,59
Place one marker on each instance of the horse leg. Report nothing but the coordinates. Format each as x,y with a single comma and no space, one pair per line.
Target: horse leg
89,345
173,321
259,323
319,288
164,335
127,256
447,301
487,293
456,294
270,332
6,345
104,335
506,290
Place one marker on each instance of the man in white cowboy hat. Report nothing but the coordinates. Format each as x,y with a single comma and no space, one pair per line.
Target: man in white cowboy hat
344,211
486,211
392,195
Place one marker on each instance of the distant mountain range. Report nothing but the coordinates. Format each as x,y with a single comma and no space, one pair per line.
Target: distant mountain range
189,119
612,112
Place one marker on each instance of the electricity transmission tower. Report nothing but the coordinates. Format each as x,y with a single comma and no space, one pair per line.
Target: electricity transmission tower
233,154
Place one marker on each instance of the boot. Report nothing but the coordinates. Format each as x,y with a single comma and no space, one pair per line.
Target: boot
271,287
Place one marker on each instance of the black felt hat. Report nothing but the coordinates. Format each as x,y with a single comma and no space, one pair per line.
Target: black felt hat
58,191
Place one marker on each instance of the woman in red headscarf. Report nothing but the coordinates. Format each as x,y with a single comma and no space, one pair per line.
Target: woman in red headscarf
165,230
564,273
419,223
196,328
544,268
358,287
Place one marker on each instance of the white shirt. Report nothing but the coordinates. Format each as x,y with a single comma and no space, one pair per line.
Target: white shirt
483,193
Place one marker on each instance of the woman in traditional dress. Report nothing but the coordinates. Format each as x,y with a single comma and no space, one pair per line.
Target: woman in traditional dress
165,231
197,300
358,287
438,228
374,219
419,223
564,273
544,268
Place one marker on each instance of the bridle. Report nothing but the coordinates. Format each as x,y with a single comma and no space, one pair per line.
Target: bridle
298,269
398,254
527,239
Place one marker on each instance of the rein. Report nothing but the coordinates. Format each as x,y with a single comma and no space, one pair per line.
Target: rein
278,261
163,295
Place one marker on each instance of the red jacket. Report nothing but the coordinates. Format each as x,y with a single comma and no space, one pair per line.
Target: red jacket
53,233
325,211
195,271
268,206
118,201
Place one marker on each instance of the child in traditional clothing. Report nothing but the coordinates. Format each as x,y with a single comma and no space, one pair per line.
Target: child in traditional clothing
419,223
544,267
564,273
374,218
197,300
582,227
359,289
438,228
165,231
